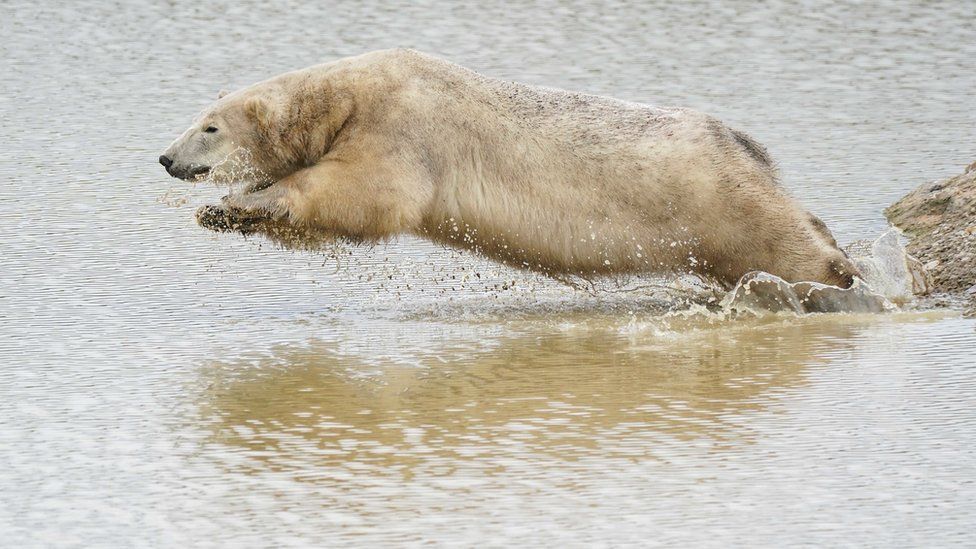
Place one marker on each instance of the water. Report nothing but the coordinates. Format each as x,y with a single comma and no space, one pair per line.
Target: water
162,385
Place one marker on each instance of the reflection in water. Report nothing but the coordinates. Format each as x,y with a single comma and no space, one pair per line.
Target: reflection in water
589,429
605,392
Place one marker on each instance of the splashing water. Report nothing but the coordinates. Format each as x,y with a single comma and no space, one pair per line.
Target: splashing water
890,278
760,292
889,270
237,172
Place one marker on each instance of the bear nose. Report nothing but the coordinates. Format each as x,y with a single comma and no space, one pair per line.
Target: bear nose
165,161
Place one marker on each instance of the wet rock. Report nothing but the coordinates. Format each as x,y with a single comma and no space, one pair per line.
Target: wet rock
939,218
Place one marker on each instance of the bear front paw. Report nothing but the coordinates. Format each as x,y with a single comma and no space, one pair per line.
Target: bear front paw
223,219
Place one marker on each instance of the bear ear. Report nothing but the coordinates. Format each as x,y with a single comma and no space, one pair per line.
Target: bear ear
258,110
222,93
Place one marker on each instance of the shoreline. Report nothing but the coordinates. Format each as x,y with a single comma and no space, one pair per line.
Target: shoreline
939,219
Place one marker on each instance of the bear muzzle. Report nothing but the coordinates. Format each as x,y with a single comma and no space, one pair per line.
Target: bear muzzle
184,173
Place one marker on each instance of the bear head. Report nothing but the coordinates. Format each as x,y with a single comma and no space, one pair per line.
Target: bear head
229,142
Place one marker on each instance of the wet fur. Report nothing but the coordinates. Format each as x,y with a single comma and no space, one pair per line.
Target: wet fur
558,182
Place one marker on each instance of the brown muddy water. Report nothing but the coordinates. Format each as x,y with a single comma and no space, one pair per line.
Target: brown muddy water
164,386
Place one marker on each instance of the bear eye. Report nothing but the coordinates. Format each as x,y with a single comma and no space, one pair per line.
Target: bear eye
211,129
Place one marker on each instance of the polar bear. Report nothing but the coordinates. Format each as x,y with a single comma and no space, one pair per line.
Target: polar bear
563,183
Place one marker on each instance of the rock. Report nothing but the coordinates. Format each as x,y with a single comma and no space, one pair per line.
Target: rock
940,220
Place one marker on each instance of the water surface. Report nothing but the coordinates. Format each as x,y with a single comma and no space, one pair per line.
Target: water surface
162,385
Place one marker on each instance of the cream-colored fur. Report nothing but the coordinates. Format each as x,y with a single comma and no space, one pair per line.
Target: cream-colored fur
563,183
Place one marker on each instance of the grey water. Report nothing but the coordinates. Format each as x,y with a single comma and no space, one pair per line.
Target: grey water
161,385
